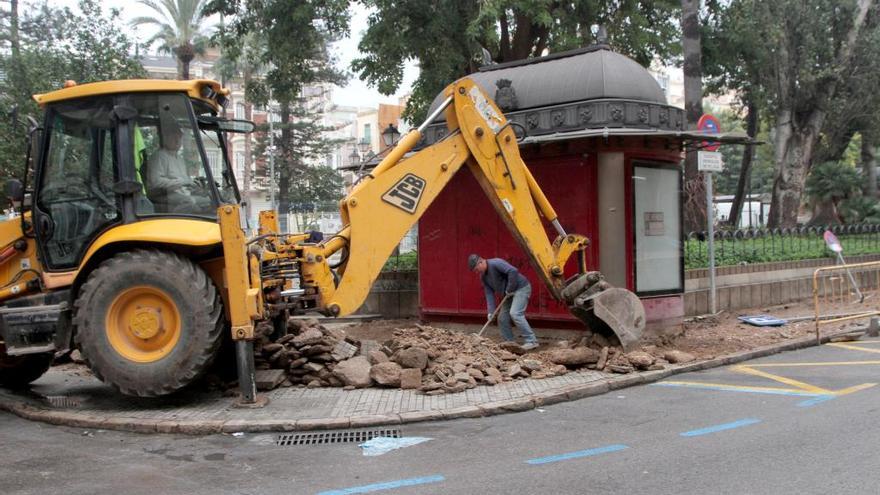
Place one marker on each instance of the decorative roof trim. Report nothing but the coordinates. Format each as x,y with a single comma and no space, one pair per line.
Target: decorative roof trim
585,115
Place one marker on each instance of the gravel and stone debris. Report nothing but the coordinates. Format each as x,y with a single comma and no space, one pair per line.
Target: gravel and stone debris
433,360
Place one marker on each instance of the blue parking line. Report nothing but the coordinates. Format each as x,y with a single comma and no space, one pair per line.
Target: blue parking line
388,485
716,428
576,455
737,388
817,400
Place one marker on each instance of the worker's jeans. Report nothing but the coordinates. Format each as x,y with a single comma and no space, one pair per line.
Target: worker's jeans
515,308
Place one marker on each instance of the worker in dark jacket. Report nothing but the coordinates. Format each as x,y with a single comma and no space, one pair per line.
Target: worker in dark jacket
500,277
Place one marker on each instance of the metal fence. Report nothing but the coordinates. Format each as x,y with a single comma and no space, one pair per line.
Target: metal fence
845,292
734,247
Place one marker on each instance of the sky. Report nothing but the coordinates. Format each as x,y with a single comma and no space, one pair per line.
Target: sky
356,93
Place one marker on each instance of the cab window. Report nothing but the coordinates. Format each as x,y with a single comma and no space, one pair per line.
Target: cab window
167,159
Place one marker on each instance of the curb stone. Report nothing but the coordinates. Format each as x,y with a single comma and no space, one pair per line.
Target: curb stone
30,409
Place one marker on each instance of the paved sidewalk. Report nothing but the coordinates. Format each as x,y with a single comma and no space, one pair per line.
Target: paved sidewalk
69,395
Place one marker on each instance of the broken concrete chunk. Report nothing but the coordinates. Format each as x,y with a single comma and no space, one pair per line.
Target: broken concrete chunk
285,339
377,357
354,371
366,346
639,359
309,336
272,348
477,374
387,374
317,349
413,357
617,368
269,379
531,364
603,358
462,376
676,357
410,378
515,370
314,367
573,357
343,350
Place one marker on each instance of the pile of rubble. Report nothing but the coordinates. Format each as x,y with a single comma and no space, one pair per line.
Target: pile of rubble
432,360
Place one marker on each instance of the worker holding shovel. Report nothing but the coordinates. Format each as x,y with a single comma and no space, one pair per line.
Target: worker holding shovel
500,277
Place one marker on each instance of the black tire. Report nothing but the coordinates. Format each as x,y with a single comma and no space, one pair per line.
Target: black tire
19,371
200,316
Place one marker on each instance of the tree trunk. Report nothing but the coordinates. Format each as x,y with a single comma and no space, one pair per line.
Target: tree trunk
282,167
745,171
505,37
869,163
522,38
13,30
825,213
798,132
18,76
246,174
695,200
793,150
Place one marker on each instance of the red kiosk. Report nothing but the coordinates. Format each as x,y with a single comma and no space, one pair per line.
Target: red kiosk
607,150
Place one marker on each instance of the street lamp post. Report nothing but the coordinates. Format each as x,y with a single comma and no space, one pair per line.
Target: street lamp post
390,135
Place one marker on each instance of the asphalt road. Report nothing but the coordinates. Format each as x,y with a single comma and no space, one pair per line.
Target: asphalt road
772,427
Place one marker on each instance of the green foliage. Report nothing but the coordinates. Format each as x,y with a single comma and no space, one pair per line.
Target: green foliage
860,209
179,29
447,38
303,144
729,252
402,262
810,65
292,42
832,181
55,44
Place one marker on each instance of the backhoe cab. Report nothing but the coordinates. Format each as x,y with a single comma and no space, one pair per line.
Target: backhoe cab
115,248
133,249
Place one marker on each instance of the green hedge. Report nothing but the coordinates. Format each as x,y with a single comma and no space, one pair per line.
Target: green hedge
403,262
775,248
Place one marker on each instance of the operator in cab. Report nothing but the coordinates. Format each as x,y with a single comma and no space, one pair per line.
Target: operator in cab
502,278
169,183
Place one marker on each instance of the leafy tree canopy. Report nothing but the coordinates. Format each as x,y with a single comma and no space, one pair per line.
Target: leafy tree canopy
180,26
294,47
448,38
54,45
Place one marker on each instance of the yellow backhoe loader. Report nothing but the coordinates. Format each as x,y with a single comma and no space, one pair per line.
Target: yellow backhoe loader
128,243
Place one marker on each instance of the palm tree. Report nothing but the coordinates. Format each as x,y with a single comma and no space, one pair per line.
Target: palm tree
179,24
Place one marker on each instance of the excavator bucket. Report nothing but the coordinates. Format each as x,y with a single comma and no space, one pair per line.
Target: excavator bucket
610,311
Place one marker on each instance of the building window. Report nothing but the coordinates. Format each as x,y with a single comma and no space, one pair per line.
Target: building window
239,110
239,165
367,133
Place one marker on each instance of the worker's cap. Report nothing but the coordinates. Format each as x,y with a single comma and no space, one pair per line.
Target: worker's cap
473,259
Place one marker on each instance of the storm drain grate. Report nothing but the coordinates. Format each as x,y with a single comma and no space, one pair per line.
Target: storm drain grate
320,438
62,401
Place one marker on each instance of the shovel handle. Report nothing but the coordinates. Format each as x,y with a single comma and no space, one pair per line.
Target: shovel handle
494,314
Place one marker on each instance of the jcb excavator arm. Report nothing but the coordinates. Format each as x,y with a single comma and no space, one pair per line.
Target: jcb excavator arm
384,206
379,210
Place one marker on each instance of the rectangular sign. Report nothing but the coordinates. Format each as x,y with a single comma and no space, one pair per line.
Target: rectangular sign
709,161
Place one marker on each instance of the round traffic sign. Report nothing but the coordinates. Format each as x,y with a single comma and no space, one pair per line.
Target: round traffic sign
709,123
